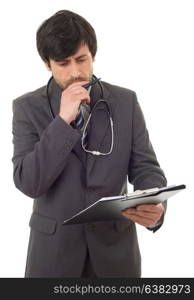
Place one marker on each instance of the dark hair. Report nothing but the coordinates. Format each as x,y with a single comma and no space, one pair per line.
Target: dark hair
62,34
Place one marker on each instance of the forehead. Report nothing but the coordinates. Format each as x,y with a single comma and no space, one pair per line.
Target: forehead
83,50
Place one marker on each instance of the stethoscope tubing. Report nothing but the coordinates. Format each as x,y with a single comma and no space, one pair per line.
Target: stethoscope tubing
89,118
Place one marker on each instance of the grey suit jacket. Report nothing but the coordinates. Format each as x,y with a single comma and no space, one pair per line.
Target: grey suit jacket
51,167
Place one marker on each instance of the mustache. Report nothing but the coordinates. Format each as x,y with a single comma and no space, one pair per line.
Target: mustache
72,80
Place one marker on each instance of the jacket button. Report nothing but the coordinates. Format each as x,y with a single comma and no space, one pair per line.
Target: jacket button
67,147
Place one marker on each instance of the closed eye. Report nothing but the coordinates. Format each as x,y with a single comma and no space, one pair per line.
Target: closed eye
65,63
81,60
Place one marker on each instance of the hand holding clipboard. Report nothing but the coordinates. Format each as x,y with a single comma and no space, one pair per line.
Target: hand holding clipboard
110,208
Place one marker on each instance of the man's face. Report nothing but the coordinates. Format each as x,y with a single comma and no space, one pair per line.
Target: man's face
78,67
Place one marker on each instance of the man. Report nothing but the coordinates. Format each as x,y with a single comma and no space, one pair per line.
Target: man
52,164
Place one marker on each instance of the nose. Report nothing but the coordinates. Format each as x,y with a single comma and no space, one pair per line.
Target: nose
75,72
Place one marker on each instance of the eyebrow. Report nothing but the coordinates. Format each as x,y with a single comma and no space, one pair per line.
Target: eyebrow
81,56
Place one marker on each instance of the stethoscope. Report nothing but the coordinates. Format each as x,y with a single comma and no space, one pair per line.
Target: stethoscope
108,110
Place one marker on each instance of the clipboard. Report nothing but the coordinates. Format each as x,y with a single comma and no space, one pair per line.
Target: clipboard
109,208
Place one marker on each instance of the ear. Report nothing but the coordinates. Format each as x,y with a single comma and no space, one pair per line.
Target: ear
47,64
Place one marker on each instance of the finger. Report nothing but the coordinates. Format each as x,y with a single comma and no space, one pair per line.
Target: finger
78,90
86,100
141,212
142,215
77,84
147,207
141,221
81,95
129,210
84,96
146,214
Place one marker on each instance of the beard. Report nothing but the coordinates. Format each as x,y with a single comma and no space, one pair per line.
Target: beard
67,83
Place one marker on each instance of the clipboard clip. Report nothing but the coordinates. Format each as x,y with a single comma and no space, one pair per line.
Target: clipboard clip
141,192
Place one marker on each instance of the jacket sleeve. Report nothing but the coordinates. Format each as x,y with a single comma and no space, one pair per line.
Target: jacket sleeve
37,162
144,171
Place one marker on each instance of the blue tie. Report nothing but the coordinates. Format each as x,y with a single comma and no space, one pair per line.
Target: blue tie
82,118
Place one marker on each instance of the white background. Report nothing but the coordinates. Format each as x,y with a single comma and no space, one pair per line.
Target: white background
146,46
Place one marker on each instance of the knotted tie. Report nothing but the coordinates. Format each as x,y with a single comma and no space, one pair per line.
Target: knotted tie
82,118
